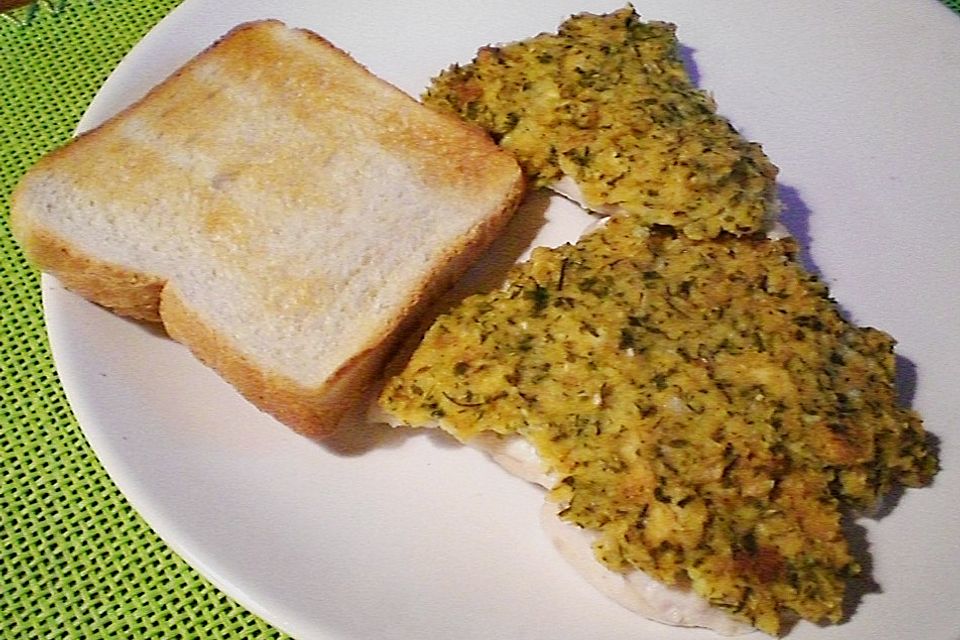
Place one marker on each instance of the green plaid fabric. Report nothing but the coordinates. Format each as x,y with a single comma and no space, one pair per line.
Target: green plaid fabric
78,562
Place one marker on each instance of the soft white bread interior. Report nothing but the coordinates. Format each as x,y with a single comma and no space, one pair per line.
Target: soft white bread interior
283,212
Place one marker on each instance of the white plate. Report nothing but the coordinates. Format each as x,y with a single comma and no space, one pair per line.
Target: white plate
393,536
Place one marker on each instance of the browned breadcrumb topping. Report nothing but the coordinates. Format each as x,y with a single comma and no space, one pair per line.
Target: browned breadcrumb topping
701,404
607,102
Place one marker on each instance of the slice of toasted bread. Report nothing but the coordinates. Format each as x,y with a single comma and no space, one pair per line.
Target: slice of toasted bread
283,212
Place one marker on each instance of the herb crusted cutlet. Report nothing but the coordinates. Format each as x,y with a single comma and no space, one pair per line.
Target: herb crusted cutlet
607,102
701,404
693,392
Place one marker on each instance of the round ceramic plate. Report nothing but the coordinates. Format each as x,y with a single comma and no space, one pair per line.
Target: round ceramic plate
387,534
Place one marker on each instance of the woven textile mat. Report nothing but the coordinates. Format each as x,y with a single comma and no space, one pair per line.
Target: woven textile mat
78,561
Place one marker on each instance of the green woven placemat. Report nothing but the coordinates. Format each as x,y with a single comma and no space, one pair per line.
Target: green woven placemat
78,562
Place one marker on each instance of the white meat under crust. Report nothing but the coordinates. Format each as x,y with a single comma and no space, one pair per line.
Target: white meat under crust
635,590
